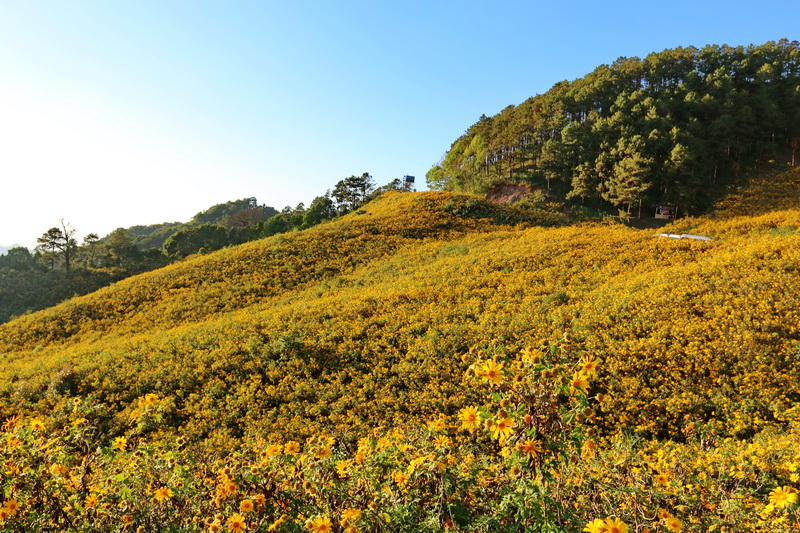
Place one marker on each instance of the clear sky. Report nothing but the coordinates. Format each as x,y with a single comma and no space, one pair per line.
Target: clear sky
116,113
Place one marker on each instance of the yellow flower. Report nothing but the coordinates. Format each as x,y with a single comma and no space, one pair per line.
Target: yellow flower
12,506
442,441
437,424
343,467
10,423
150,399
163,493
595,526
120,443
529,355
579,382
662,479
589,366
237,523
351,515
37,425
673,524
503,429
615,525
470,418
272,450
783,497
320,524
530,447
400,478
292,448
246,506
324,453
91,500
492,372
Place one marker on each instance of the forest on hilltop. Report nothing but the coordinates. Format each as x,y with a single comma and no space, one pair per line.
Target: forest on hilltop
673,128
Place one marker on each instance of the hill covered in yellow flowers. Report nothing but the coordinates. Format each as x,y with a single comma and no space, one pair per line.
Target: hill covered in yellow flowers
428,362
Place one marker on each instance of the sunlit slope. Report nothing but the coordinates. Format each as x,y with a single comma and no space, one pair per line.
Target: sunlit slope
242,276
761,194
364,321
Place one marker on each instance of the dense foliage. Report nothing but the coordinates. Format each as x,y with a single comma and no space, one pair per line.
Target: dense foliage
672,128
428,362
239,213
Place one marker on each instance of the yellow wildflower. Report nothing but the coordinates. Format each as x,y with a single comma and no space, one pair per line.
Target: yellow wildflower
529,355
237,523
437,424
578,382
673,524
343,467
589,366
320,524
442,441
10,423
595,526
615,525
163,493
91,500
272,450
503,429
530,447
246,506
12,506
470,418
400,478
324,453
292,448
492,372
783,497
351,515
150,399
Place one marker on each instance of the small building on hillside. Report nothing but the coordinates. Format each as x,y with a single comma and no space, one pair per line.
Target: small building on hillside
665,212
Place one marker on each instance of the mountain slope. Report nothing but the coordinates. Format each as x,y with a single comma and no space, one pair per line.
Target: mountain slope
430,362
376,310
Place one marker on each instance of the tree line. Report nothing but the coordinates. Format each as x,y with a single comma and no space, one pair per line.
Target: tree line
671,128
61,267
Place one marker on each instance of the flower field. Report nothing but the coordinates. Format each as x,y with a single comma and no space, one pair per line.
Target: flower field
427,363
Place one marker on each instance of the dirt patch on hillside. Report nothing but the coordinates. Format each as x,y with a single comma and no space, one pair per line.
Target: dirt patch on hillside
507,193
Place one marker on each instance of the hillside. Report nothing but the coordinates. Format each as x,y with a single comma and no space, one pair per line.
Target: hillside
618,376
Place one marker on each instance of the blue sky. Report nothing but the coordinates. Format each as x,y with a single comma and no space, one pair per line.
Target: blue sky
138,112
